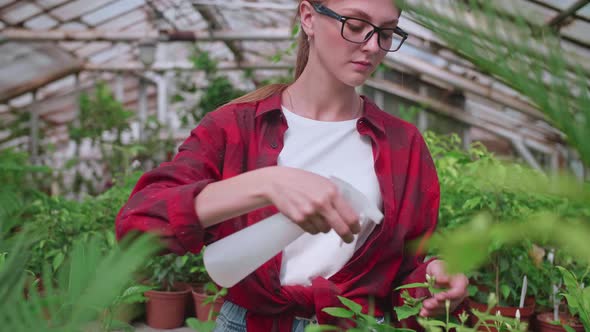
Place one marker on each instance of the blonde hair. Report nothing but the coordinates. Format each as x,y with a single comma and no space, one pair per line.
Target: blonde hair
302,57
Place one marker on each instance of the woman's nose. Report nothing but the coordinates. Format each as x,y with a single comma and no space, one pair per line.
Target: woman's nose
372,44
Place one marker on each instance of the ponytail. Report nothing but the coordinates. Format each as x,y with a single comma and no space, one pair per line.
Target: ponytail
269,90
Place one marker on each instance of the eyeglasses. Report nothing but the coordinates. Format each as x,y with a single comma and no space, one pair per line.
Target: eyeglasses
359,31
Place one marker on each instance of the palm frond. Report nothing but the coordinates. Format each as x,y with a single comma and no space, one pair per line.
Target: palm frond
89,283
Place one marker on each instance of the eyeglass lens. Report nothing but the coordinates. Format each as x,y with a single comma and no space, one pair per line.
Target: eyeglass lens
358,31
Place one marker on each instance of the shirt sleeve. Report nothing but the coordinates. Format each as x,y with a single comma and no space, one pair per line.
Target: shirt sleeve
162,201
424,191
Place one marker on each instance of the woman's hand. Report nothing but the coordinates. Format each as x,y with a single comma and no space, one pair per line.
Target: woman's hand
312,201
456,290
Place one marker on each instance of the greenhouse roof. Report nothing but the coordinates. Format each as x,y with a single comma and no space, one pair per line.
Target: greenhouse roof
53,48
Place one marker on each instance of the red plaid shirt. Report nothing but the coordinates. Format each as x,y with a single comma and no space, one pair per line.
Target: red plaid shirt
242,137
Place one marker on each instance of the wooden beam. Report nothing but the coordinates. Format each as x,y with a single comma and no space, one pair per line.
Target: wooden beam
186,66
216,25
93,35
52,76
457,113
462,83
559,19
551,6
236,4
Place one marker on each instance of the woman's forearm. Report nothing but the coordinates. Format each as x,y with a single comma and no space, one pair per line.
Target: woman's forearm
229,198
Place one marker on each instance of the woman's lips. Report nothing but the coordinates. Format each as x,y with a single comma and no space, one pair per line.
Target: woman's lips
362,65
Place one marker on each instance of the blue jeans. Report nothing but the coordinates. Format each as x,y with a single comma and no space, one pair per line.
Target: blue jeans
232,318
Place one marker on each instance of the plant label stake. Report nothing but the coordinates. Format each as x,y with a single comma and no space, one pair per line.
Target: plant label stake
523,291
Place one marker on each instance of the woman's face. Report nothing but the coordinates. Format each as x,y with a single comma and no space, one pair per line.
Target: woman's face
348,62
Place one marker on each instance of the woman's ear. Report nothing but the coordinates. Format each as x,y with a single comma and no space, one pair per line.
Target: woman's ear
305,13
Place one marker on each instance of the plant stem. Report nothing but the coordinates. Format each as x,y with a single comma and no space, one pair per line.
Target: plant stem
497,268
447,322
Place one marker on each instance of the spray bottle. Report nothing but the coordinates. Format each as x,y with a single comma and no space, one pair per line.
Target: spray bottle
232,258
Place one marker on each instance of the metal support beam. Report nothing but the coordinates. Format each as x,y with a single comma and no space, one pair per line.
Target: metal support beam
161,82
422,121
162,87
34,132
526,154
379,97
77,100
120,87
142,108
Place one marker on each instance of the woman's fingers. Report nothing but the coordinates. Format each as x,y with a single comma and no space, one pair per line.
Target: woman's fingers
347,214
320,223
341,228
314,203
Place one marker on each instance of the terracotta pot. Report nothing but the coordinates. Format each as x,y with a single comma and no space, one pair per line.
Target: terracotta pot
190,303
202,310
544,319
165,310
526,313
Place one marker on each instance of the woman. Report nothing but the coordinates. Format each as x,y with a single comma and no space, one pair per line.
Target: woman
271,151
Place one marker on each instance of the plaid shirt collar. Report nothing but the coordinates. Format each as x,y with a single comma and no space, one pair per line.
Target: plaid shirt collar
371,113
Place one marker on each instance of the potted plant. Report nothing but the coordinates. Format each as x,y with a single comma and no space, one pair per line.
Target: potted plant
124,309
208,301
207,297
194,277
504,278
578,302
166,304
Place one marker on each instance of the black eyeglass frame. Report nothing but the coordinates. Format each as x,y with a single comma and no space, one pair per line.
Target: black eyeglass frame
321,9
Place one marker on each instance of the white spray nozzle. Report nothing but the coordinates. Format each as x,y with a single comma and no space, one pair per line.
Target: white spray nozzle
358,201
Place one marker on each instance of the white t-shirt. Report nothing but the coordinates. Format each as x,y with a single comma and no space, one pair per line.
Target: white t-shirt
326,148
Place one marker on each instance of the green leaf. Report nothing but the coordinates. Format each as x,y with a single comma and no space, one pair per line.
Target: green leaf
414,285
200,326
568,278
295,30
505,289
338,312
436,323
406,311
368,319
210,288
320,328
572,303
471,203
117,325
355,307
57,261
568,328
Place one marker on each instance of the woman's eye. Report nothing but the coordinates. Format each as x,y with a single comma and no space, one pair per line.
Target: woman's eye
355,28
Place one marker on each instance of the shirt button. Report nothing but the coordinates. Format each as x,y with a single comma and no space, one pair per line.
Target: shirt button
274,145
